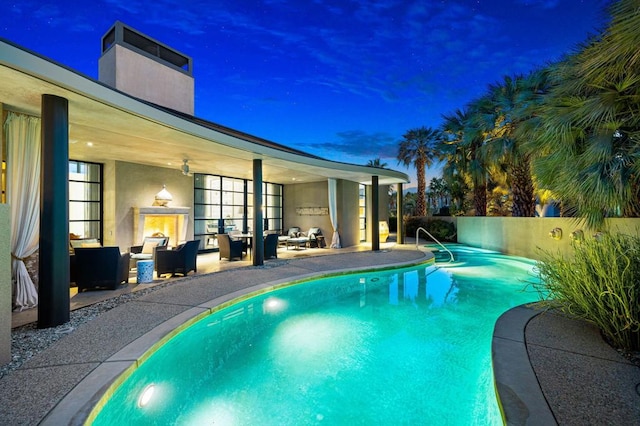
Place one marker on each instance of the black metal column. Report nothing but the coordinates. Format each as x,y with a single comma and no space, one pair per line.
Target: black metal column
375,214
399,215
53,288
258,224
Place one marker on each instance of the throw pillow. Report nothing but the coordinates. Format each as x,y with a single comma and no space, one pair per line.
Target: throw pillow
148,246
90,245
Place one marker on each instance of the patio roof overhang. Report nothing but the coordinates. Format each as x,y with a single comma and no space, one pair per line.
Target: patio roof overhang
123,128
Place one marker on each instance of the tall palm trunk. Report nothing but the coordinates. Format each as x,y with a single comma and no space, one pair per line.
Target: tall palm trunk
421,202
480,199
522,189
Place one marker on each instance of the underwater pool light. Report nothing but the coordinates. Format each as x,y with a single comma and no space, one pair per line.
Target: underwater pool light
146,395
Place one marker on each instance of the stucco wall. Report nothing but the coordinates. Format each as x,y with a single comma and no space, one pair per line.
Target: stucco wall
146,78
136,185
528,236
5,284
348,212
301,195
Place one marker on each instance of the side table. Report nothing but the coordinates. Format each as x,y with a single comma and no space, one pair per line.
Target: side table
144,272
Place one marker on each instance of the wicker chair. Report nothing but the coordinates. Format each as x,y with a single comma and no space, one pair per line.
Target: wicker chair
181,261
271,246
229,249
100,267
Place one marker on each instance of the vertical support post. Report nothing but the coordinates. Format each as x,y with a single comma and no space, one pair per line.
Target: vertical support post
258,224
53,288
399,215
245,208
375,214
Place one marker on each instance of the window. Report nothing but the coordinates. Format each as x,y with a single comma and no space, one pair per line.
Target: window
85,199
222,204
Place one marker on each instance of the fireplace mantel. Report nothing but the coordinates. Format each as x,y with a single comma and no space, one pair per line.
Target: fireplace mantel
171,221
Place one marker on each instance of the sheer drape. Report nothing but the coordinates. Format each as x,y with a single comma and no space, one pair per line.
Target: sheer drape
23,196
333,212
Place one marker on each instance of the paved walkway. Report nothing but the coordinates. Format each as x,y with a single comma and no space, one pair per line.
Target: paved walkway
550,369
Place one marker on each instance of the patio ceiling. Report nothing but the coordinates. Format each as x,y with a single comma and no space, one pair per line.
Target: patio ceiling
106,124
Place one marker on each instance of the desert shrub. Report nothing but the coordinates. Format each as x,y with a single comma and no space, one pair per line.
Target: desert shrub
441,229
600,284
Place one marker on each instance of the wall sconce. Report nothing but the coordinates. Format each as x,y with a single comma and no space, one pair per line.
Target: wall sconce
577,235
556,233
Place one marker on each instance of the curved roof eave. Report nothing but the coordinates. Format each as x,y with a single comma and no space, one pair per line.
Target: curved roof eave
245,145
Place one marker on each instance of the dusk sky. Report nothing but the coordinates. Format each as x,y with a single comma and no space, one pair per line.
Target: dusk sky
343,79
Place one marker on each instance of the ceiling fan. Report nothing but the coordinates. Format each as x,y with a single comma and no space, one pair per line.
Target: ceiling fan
185,168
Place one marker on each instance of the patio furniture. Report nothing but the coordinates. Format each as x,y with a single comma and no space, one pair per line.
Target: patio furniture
144,271
100,267
291,233
271,246
298,243
83,242
180,260
147,250
229,249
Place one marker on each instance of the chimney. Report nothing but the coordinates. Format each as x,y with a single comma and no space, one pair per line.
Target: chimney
147,69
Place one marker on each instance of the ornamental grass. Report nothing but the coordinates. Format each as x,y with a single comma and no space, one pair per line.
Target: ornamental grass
600,284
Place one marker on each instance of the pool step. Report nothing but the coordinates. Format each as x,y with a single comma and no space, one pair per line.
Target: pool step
442,256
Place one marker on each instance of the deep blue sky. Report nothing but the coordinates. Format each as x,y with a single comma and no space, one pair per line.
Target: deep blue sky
343,79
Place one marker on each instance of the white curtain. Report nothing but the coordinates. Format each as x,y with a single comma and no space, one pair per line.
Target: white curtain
23,196
333,212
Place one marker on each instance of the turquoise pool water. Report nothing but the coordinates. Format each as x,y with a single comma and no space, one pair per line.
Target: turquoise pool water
405,346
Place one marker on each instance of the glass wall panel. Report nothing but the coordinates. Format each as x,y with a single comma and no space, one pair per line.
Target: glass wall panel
223,204
85,199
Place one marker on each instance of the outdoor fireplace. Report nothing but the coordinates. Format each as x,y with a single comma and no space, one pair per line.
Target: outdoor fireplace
172,222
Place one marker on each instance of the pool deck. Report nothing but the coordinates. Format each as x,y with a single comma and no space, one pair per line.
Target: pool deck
548,369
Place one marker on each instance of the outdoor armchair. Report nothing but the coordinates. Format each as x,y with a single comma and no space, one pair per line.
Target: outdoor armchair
271,246
181,260
148,249
100,267
229,249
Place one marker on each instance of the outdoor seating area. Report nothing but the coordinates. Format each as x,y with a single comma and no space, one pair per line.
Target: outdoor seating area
299,240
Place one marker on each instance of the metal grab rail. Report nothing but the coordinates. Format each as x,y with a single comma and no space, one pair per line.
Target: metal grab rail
434,239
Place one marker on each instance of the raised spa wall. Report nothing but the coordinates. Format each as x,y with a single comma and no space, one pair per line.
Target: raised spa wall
531,236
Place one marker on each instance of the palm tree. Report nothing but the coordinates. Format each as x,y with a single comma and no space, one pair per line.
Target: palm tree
590,126
461,148
419,147
376,163
499,115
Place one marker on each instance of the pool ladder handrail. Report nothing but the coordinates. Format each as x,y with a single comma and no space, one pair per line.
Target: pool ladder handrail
420,228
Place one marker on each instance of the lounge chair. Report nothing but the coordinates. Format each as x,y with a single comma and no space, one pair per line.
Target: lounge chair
181,260
100,267
229,249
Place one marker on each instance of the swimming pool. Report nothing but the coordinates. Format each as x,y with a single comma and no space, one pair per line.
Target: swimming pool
403,346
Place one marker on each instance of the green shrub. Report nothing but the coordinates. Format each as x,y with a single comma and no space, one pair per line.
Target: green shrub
601,284
441,229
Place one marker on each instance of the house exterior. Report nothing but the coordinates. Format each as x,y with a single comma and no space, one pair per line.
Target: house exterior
109,146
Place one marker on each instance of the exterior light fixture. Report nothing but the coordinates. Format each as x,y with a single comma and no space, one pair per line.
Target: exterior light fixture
163,197
146,395
556,233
